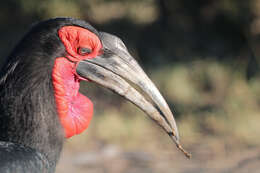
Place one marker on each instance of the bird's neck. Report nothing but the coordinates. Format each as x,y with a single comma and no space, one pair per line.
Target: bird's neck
27,109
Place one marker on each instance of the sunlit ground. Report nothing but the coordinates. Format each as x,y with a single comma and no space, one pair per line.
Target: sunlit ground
218,118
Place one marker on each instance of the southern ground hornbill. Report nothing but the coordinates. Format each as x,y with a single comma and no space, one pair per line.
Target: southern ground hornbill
40,103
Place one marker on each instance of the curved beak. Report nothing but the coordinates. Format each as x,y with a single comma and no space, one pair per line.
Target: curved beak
118,71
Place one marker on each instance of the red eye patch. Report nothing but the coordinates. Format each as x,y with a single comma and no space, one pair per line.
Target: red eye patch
74,37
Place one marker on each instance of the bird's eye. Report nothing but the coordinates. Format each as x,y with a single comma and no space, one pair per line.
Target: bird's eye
84,51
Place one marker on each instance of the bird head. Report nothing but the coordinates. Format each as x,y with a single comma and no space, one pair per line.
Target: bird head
84,54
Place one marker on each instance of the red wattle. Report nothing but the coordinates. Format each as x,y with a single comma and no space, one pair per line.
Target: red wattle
75,110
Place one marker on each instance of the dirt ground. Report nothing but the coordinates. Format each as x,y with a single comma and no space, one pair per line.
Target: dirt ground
112,159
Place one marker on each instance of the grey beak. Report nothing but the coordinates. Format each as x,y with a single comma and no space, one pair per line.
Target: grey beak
117,70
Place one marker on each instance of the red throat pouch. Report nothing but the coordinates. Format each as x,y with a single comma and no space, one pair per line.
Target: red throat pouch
74,109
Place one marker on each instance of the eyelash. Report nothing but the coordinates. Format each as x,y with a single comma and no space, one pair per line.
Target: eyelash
84,51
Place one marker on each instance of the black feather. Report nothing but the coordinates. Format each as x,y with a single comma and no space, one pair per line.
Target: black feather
21,159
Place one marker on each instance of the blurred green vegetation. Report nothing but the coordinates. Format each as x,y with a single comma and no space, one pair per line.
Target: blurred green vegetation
203,55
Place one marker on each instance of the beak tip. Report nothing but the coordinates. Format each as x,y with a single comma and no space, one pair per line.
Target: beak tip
176,140
188,155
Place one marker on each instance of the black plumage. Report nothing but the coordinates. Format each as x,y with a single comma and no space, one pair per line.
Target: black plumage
30,131
16,158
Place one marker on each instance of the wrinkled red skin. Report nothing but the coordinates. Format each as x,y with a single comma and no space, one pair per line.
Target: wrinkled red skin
74,109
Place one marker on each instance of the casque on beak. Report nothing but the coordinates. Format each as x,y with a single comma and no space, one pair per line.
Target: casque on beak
118,71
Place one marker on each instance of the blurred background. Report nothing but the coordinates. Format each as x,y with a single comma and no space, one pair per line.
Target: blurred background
203,55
